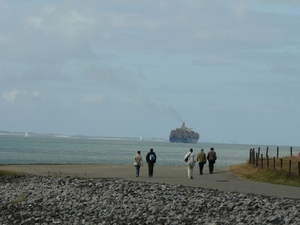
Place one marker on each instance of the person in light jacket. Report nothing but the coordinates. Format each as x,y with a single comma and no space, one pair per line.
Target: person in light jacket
138,161
211,157
190,163
201,158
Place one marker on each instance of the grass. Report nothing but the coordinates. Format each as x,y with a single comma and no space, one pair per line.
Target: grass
5,173
278,176
20,199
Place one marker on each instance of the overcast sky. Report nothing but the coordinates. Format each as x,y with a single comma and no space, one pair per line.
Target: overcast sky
229,69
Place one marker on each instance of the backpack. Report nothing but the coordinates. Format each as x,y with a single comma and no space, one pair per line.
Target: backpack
152,157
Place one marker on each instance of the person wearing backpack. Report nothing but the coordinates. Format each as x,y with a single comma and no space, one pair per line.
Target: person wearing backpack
151,159
190,160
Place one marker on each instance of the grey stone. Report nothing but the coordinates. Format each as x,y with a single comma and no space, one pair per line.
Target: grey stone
48,200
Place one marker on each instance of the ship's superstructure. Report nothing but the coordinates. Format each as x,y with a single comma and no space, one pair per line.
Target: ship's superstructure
184,135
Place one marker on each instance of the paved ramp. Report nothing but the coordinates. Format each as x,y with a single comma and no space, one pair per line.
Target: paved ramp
221,179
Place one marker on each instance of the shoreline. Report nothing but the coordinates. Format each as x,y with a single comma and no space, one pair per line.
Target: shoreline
221,180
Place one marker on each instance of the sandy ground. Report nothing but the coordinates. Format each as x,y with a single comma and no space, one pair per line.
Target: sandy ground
221,179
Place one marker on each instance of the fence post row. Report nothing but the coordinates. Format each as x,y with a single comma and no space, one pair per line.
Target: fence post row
254,159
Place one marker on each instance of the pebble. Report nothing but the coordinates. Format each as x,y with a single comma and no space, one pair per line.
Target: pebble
50,200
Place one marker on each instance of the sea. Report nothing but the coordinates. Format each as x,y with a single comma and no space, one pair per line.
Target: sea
20,149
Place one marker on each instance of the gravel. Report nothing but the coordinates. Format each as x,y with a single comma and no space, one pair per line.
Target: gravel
51,200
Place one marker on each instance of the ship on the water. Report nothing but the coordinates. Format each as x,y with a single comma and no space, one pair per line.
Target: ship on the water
184,135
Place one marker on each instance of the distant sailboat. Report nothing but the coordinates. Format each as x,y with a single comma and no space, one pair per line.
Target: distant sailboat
141,138
26,134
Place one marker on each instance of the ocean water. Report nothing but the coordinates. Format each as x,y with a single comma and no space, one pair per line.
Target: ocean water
16,149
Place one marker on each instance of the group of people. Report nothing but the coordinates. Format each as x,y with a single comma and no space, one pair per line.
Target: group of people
190,158
150,159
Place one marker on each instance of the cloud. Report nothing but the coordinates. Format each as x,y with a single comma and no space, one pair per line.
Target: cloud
10,96
240,8
64,31
93,98
181,55
45,33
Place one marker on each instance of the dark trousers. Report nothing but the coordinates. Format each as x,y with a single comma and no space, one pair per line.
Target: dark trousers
211,165
150,168
201,165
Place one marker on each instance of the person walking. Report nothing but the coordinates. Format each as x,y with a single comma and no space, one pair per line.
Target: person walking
138,162
151,159
201,158
211,157
190,160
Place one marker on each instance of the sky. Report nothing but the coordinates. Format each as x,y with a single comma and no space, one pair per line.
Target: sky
229,69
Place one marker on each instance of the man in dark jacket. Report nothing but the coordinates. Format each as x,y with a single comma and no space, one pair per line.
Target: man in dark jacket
151,159
211,157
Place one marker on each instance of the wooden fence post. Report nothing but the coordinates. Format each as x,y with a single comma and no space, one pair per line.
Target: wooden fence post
256,159
253,157
281,163
290,167
267,152
277,152
258,151
274,162
262,161
298,169
291,151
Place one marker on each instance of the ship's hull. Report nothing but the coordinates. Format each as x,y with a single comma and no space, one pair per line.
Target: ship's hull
184,140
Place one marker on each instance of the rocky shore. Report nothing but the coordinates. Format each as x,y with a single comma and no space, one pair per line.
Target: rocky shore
49,200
